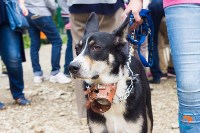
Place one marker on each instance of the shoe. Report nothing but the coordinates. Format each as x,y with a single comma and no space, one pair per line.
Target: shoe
39,79
68,75
22,101
148,74
2,106
163,76
3,75
68,26
171,72
154,81
60,78
5,72
171,75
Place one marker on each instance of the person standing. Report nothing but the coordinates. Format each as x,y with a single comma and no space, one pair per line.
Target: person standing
12,54
157,13
183,27
68,52
40,19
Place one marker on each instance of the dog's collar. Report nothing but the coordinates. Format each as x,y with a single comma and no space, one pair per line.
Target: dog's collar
100,96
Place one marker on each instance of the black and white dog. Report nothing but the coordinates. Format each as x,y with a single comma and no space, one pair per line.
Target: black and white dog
101,60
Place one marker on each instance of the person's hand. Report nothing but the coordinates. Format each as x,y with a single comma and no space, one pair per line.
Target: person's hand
24,9
135,6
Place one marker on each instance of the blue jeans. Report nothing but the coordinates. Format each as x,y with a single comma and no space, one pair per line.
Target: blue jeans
183,25
47,26
68,52
157,13
10,50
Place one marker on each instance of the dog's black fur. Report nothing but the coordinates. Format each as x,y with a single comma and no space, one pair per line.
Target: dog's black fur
102,60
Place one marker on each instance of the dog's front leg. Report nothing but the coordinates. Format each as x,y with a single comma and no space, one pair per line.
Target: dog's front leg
97,127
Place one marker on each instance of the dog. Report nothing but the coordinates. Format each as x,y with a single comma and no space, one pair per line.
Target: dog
101,60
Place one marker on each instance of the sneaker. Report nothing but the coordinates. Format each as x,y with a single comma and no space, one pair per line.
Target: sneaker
5,72
171,75
22,101
2,106
3,75
68,26
68,75
171,72
163,76
154,81
148,74
60,78
39,79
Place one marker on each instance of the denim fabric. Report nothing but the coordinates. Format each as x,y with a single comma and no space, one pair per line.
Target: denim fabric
157,13
183,25
47,26
68,53
11,55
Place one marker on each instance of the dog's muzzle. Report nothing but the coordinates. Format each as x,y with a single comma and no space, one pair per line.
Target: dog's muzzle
100,97
74,67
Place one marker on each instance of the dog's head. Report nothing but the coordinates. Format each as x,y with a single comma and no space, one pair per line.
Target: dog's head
99,54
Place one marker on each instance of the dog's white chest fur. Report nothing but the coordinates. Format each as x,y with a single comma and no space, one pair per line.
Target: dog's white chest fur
116,123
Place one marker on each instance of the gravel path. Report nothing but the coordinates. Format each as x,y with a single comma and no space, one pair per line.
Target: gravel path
53,108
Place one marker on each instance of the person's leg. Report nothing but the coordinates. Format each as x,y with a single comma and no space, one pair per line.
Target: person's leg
183,26
157,12
170,69
162,50
77,28
34,34
68,53
108,23
11,55
48,27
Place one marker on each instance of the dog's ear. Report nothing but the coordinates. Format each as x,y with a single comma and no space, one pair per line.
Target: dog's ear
78,47
92,24
121,33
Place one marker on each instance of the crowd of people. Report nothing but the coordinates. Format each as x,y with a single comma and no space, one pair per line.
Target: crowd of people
39,15
177,25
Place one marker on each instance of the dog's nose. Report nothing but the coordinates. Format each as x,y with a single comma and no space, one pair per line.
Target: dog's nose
74,67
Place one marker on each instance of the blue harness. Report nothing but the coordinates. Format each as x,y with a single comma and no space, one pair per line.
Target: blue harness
137,36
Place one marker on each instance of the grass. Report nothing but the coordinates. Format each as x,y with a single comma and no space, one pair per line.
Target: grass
27,42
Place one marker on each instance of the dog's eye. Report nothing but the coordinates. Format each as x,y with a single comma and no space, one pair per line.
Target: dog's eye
96,47
78,49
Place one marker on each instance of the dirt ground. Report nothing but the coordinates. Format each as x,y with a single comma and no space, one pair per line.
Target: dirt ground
53,108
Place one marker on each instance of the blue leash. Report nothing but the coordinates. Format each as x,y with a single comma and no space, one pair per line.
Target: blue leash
138,36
